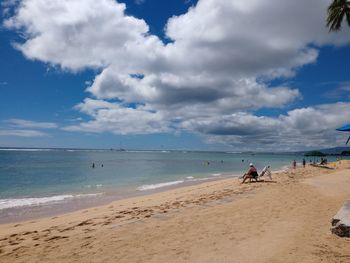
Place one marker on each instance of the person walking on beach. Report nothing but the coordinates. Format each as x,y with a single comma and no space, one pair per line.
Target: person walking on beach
304,162
294,164
250,174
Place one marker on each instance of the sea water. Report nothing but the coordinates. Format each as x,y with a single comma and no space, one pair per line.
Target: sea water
42,177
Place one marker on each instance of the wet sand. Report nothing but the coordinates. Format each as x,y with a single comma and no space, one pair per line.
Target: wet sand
287,220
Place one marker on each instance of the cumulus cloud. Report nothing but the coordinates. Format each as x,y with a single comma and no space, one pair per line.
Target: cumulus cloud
209,79
78,34
299,128
204,91
109,117
31,124
22,133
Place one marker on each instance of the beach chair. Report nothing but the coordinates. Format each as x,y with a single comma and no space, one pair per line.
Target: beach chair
266,172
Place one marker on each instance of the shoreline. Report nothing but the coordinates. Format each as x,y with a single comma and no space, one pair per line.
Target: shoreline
33,212
91,200
214,220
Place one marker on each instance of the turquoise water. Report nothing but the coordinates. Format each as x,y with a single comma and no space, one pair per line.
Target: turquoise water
36,177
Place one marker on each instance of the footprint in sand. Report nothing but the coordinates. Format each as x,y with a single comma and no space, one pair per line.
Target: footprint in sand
56,238
19,248
12,243
84,223
29,232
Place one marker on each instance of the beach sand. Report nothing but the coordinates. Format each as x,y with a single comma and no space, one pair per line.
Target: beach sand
287,220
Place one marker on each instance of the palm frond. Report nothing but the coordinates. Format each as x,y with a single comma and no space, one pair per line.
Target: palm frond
348,18
337,11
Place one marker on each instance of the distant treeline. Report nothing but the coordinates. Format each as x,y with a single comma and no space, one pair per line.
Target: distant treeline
315,153
321,154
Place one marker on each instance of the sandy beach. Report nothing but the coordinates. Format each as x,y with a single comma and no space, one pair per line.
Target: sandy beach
287,220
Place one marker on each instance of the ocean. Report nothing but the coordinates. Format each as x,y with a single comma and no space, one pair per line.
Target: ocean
34,181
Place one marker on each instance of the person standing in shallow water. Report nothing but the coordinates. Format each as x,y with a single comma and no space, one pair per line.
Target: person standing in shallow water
294,164
304,162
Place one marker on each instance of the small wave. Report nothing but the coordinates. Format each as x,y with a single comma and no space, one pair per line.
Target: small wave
35,201
26,150
142,151
199,179
217,174
202,179
189,177
93,186
282,169
155,186
84,150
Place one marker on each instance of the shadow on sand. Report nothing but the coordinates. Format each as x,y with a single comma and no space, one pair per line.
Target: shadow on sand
261,181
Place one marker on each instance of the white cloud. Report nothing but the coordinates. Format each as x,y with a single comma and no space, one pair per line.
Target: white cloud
299,128
213,74
78,33
205,91
22,133
109,117
6,6
31,124
341,90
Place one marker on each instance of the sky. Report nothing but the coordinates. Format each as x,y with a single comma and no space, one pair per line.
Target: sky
231,75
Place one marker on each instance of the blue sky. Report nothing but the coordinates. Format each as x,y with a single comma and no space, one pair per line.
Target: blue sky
215,76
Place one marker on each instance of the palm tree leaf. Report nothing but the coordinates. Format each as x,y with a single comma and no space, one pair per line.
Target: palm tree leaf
337,11
348,17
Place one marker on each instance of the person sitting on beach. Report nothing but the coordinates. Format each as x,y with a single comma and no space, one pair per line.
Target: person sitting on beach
266,172
251,174
323,161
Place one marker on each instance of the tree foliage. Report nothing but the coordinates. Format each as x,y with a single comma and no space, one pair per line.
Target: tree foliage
314,153
338,10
